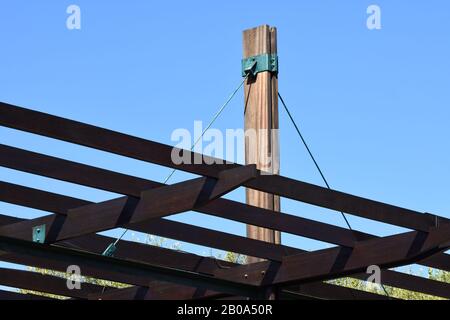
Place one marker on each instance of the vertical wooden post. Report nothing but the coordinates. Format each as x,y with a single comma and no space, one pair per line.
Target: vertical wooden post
261,115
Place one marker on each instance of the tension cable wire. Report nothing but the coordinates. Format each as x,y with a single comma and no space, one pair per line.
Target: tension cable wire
310,153
316,164
112,247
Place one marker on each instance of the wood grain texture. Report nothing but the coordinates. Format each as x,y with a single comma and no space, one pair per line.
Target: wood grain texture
261,116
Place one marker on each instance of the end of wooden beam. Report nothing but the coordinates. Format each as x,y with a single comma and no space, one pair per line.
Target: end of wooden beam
259,40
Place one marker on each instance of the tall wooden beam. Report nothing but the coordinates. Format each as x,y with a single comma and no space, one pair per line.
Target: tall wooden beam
261,118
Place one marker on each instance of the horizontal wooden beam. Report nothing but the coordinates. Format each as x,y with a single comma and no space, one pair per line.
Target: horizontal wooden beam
125,271
327,291
344,202
160,227
127,250
201,236
115,182
196,235
73,172
154,289
335,199
158,291
317,290
9,295
189,262
215,239
106,140
330,263
45,283
145,150
192,263
143,253
111,181
38,199
412,283
154,203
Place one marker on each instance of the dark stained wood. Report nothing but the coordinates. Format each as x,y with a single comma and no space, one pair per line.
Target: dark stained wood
154,203
111,181
57,259
145,202
103,139
201,236
333,292
221,207
160,227
9,295
347,203
413,283
216,239
128,185
145,150
205,265
121,270
158,291
45,283
153,255
65,170
330,263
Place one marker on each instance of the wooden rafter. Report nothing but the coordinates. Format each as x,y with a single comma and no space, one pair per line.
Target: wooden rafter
73,223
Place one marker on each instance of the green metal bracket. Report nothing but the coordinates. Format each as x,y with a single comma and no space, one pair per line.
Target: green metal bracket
109,252
256,64
39,234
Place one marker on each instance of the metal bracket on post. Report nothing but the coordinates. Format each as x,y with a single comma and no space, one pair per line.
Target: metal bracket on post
39,234
261,63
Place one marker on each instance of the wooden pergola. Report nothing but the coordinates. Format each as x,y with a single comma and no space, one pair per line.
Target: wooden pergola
68,235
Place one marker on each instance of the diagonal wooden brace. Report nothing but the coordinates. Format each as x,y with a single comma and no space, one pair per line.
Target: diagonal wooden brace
125,211
386,252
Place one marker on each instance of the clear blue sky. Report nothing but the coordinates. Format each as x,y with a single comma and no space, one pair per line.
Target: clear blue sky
374,105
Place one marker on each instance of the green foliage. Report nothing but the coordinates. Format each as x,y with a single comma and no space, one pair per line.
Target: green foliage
161,242
64,275
149,240
235,258
433,274
439,275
